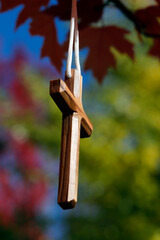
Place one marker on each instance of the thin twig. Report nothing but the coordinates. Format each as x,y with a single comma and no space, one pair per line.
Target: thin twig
140,26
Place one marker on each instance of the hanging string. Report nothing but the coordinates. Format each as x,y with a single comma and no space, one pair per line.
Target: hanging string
73,41
70,49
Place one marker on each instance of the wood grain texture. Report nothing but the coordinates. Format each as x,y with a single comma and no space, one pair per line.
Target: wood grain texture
69,161
67,102
67,95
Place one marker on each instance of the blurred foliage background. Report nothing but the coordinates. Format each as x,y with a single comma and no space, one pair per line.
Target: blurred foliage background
119,176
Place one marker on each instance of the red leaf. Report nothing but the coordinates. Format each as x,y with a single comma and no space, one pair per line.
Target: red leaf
31,8
147,20
27,155
62,10
35,194
9,4
155,50
21,95
93,11
43,25
6,198
99,41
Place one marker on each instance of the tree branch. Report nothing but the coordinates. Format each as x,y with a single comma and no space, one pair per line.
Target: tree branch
140,26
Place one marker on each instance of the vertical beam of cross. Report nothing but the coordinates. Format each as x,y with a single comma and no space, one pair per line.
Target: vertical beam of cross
75,124
69,159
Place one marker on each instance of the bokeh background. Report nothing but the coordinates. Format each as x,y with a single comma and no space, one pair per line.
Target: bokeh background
119,175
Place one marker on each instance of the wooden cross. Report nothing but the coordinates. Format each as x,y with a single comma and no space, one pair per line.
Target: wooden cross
75,124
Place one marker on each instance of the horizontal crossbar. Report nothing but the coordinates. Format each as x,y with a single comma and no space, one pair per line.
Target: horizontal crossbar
68,103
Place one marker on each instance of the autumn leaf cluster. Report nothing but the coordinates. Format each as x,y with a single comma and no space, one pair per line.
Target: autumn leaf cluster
95,34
